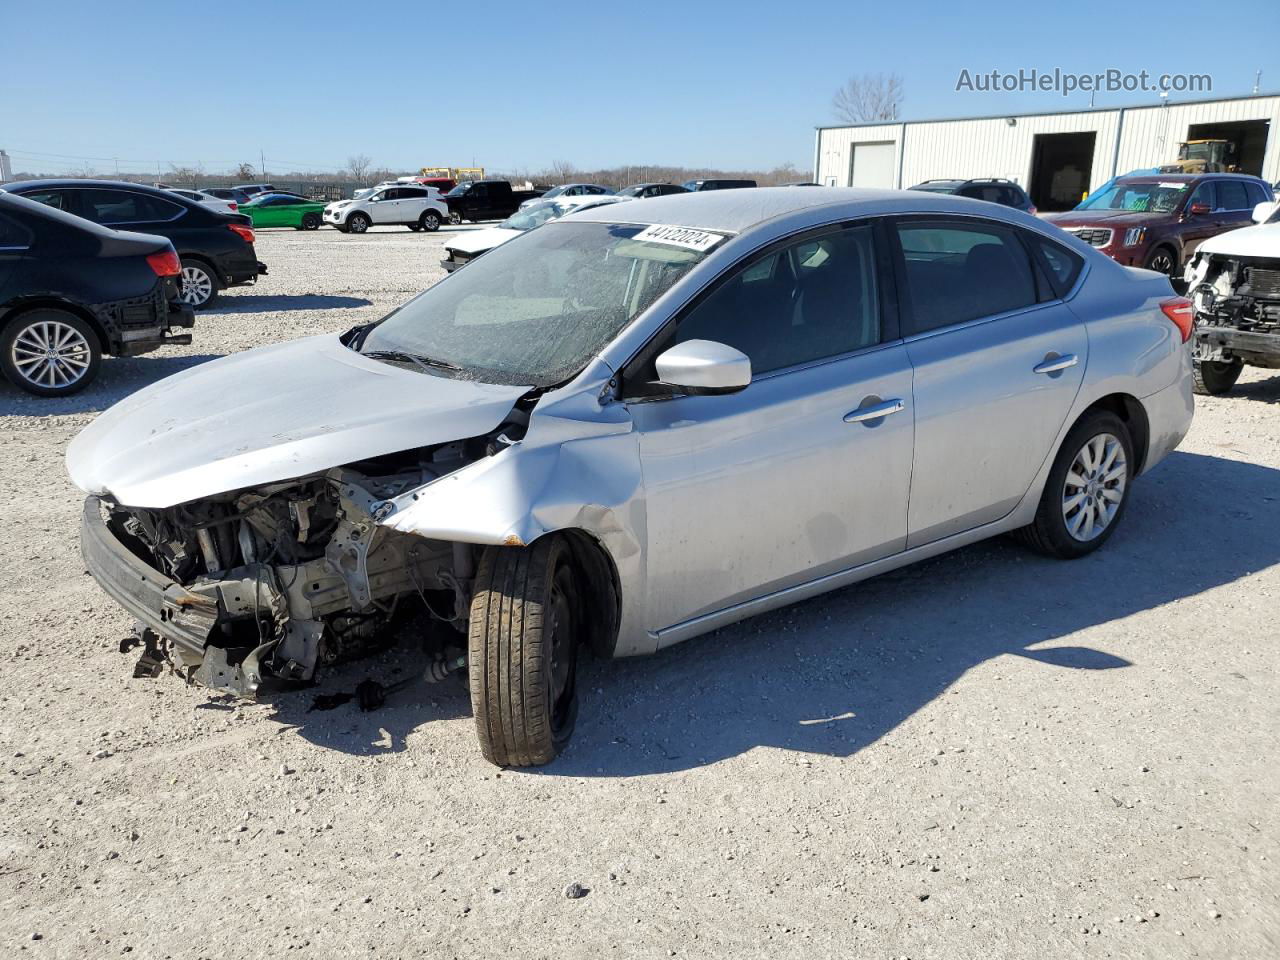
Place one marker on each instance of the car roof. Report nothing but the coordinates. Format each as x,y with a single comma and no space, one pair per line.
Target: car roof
55,182
1184,177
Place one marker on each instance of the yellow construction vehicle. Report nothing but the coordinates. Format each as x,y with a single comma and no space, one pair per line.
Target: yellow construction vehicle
1204,156
456,173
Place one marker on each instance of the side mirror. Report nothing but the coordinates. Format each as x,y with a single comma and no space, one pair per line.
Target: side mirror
1198,209
704,367
1263,211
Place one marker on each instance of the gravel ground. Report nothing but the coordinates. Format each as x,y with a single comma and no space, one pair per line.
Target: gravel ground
987,755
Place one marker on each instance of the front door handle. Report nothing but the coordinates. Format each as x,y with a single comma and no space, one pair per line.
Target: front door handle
1056,364
875,411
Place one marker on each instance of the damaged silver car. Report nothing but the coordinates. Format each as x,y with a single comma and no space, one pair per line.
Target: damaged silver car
630,427
1234,283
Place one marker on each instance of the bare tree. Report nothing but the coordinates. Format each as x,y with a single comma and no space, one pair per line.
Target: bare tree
246,171
562,171
358,167
186,175
869,98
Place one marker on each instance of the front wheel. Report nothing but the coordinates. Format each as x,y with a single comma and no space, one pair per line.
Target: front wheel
311,221
199,284
1087,489
1213,377
358,223
522,652
429,221
1163,260
49,353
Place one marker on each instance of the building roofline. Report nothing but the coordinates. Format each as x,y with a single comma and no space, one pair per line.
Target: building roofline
1047,113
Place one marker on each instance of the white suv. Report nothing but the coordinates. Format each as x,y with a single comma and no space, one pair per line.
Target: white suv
418,208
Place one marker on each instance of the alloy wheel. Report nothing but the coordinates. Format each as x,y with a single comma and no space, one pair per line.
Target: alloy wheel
197,285
1161,263
50,353
1095,487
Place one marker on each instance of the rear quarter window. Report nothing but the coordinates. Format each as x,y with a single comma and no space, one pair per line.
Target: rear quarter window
1062,266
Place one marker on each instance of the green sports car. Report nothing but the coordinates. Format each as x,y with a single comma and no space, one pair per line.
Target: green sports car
283,210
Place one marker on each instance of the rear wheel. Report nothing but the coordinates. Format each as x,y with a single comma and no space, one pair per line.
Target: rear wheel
358,223
1087,489
455,217
311,221
50,353
523,638
199,284
429,221
1214,377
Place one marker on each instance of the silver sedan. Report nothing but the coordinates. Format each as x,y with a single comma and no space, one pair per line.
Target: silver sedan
632,426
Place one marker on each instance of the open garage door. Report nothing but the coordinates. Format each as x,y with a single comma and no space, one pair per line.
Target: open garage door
872,165
1248,139
1061,169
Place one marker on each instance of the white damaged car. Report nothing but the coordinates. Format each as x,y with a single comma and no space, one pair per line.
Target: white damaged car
629,427
1234,283
469,244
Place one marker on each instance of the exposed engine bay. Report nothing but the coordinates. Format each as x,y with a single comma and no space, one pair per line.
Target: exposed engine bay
1237,306
289,577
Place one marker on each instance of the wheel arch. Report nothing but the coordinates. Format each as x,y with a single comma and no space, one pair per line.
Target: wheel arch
601,589
1134,416
12,311
208,264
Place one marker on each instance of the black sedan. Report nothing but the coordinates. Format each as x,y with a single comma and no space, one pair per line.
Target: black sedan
216,248
642,190
71,290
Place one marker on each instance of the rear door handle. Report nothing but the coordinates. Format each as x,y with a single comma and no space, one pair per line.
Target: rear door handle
1056,364
875,411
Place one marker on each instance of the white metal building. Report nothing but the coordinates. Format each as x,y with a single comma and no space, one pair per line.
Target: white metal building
1056,157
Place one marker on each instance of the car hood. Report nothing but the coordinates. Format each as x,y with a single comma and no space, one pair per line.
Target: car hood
1260,240
273,414
481,240
1106,218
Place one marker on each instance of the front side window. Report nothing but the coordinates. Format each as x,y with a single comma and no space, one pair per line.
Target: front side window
1162,197
534,310
957,272
810,300
1203,194
1231,195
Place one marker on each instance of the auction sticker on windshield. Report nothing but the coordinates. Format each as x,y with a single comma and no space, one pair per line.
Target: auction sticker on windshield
687,237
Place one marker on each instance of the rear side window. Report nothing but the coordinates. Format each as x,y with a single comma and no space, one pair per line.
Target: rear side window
1256,194
50,198
956,272
123,206
1062,265
12,233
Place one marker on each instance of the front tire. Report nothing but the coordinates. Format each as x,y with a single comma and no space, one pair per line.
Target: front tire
1087,489
50,353
358,223
522,652
199,284
455,218
311,221
1163,260
1212,378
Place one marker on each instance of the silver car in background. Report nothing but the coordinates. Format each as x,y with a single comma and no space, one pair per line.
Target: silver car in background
632,426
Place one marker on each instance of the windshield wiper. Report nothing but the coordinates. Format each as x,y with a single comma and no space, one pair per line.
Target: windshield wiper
422,363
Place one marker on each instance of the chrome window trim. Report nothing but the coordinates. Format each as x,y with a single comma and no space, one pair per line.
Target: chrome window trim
14,246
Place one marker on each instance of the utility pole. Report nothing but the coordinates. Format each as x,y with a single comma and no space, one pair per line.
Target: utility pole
263,161
6,169
1257,82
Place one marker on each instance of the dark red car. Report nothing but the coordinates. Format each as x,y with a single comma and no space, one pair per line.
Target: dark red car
1157,220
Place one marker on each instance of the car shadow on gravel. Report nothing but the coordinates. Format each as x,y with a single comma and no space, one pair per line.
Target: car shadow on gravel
276,302
1262,391
117,378
835,674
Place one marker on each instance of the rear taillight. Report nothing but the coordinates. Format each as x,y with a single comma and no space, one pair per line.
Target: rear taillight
234,206
1180,311
165,263
244,232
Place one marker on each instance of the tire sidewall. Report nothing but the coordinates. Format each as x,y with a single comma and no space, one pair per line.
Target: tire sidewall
1049,518
311,221
10,333
358,223
429,221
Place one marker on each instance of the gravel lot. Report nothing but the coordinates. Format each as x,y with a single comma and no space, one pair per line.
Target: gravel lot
987,755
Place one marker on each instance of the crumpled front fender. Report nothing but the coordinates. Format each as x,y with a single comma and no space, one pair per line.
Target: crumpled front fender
577,468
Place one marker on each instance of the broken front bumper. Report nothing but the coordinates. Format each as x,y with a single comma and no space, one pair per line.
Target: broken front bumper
162,605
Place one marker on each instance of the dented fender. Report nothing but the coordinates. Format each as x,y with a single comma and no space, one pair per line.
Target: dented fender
577,468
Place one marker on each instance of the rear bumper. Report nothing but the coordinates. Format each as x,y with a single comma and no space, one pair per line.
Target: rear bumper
161,604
